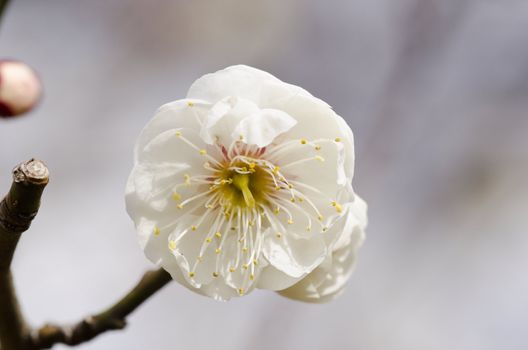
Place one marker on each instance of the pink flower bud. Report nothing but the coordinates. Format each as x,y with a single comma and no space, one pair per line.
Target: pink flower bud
20,88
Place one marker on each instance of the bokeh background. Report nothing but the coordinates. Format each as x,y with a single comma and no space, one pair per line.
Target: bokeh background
436,92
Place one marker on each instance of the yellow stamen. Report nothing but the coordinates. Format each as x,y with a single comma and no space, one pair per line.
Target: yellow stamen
337,206
176,196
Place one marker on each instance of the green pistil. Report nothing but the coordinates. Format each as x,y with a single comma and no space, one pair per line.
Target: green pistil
241,182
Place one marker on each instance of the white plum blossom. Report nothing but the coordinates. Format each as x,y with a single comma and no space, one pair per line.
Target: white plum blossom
247,183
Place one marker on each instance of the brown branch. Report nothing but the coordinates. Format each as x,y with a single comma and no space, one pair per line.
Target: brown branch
17,210
3,5
111,319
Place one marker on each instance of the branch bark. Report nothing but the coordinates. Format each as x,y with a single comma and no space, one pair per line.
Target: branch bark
17,211
111,319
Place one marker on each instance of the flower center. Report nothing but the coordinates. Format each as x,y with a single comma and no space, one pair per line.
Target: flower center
244,184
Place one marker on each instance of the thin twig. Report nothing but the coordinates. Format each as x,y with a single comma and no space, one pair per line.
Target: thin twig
3,5
111,319
17,210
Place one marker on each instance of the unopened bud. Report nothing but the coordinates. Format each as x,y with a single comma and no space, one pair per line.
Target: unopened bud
20,88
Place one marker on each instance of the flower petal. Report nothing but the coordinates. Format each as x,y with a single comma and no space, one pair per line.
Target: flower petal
186,113
242,81
317,120
263,126
224,117
325,284
274,279
294,256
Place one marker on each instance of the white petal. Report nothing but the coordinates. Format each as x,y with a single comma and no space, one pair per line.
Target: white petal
174,115
323,170
316,120
163,161
353,215
263,126
273,279
357,219
293,256
168,147
218,290
223,119
146,180
242,81
325,284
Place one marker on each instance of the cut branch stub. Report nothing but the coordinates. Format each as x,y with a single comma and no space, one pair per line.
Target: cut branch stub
17,210
20,205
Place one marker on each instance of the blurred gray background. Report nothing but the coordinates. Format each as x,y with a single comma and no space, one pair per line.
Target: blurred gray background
435,91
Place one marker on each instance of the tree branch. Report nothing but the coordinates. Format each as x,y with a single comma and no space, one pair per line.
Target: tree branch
3,5
17,210
111,319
